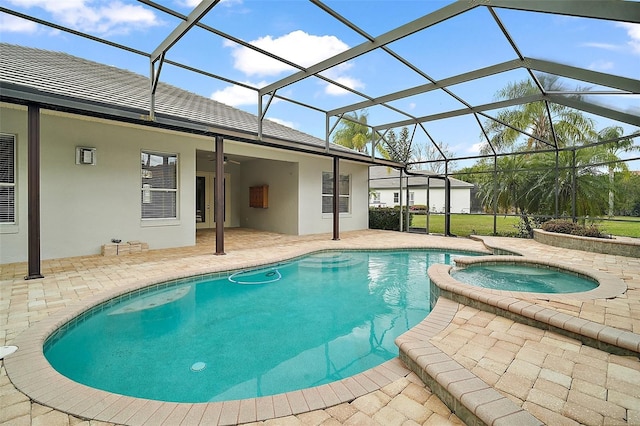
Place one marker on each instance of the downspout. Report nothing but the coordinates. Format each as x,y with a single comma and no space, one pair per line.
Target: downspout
218,196
33,196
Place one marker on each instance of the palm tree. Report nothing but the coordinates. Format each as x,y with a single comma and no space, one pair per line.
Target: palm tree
612,155
571,127
354,132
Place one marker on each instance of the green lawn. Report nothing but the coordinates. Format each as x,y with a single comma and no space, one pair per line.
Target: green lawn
630,228
467,224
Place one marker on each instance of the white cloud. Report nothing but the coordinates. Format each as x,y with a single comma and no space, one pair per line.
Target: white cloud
13,24
189,3
105,18
350,82
283,122
193,3
606,46
340,75
237,95
633,31
601,65
298,47
476,147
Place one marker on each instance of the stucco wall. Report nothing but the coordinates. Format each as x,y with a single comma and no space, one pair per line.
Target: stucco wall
281,215
84,206
312,220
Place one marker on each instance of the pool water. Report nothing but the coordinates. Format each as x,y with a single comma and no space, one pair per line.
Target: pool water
523,278
284,327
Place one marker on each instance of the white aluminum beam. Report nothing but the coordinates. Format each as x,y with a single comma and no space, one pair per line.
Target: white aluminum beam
450,81
183,27
600,110
419,24
608,80
464,111
623,11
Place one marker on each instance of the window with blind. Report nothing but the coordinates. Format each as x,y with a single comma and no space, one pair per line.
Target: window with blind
159,192
344,193
7,179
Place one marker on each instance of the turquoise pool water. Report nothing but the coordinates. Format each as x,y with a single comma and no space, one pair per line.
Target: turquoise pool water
523,278
283,327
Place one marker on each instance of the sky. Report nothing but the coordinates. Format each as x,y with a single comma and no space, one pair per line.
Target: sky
299,31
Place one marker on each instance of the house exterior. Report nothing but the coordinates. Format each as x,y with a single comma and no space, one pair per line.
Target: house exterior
106,171
385,191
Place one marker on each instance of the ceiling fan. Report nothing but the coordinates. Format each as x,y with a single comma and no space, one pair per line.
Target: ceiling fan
226,159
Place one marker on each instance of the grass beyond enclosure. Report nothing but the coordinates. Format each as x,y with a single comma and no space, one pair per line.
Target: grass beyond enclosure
466,224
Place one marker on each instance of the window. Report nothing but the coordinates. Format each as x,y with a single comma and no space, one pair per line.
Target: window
375,198
159,190
396,197
7,179
411,198
344,193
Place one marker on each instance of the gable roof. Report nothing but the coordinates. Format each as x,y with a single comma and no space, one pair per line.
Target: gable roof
381,177
62,81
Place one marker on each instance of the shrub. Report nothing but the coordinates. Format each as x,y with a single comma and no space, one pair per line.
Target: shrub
385,218
572,228
525,226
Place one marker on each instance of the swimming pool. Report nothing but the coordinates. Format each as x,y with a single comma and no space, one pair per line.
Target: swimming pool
282,327
524,278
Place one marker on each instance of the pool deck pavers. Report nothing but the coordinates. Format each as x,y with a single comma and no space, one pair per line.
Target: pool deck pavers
490,366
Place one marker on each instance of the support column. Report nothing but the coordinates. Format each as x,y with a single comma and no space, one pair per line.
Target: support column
336,199
400,201
447,207
218,196
33,184
407,219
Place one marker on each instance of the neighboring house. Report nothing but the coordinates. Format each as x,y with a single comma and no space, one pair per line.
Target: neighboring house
107,171
384,190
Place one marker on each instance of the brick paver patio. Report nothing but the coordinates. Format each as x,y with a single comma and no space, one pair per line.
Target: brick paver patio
555,378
